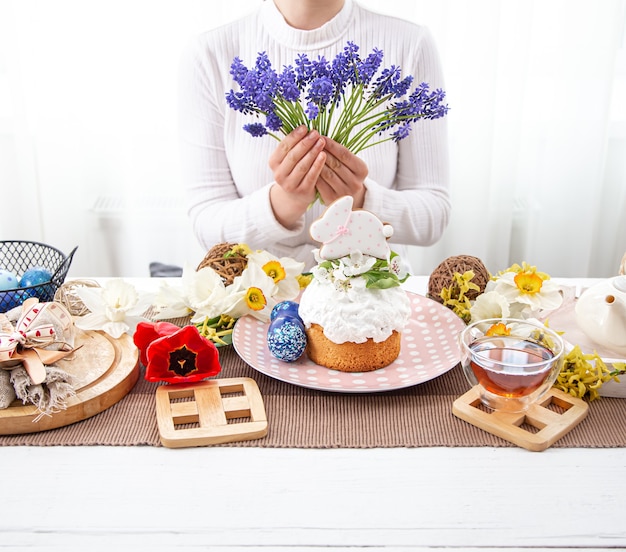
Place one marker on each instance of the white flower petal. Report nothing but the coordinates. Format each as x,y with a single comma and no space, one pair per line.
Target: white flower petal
92,298
91,321
115,329
490,304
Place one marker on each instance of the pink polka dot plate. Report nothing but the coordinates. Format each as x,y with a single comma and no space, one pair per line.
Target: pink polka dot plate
428,350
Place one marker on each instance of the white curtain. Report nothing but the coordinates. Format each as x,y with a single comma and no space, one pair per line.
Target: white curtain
88,146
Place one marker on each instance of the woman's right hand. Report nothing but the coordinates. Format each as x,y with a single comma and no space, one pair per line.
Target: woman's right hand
296,163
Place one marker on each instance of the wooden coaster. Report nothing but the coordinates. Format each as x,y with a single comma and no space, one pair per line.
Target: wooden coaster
544,423
212,412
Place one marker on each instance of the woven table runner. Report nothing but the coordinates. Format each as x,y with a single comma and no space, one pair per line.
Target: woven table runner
419,416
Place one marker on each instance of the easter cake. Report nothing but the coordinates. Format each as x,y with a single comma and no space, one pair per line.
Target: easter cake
354,309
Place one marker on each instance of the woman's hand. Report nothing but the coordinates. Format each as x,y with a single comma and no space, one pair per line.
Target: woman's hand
297,164
343,174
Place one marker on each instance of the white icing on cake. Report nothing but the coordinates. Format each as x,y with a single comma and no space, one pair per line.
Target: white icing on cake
354,313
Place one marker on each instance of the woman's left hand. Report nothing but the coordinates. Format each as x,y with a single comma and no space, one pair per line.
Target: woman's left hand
343,174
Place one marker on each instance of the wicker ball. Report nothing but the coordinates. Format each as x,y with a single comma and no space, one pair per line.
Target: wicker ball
67,296
622,267
227,267
442,276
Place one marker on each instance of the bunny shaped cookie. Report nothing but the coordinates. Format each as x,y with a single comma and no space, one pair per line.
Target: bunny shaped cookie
343,231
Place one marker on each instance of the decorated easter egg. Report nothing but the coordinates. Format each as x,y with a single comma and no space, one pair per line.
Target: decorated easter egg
35,276
286,339
8,280
285,307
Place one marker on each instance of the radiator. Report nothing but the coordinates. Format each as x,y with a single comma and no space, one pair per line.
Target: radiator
126,235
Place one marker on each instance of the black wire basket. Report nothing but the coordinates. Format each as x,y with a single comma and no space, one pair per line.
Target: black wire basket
19,256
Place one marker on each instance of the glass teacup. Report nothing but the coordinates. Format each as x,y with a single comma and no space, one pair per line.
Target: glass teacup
511,363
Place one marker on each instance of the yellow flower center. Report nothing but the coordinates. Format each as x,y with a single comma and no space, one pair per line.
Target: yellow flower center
498,329
528,282
255,299
275,271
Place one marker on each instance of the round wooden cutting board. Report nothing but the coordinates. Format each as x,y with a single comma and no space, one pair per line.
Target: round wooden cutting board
105,370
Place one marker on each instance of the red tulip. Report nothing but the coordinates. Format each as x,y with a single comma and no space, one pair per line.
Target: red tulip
182,357
147,332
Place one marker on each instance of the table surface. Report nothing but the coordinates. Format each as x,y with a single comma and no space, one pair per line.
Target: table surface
135,498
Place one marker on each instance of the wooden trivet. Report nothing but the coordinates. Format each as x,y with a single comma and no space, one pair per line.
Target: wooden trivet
544,423
208,406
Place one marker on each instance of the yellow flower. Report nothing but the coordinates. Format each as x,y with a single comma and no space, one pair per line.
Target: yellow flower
498,329
275,271
282,271
255,299
528,282
524,268
528,289
304,280
455,297
240,249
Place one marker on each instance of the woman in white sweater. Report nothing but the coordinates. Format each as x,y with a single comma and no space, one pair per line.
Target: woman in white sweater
245,189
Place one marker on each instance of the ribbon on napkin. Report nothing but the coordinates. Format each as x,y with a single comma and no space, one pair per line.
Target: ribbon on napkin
39,327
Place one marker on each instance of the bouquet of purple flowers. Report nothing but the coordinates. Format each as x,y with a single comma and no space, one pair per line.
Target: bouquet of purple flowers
311,93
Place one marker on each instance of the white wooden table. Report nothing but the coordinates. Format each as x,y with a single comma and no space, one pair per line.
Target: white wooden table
149,498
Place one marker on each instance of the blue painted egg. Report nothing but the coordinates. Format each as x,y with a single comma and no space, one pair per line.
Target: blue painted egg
35,276
11,299
285,307
8,280
286,339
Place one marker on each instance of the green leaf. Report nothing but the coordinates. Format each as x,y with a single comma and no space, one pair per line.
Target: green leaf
380,280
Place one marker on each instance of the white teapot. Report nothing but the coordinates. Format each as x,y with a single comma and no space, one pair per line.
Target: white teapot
601,313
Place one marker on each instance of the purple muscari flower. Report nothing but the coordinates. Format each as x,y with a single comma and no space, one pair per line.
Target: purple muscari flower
304,70
321,91
321,68
341,72
401,132
386,83
312,111
402,87
258,86
238,70
367,69
263,63
350,50
266,91
273,122
239,102
288,85
421,105
256,129
344,67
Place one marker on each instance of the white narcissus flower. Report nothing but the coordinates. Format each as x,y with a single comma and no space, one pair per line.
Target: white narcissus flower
284,272
251,293
201,292
528,288
490,304
115,308
205,291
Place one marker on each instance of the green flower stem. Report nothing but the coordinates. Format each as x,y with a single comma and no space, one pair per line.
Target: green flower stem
346,119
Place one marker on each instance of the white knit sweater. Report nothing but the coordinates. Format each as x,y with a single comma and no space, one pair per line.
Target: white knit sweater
225,170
